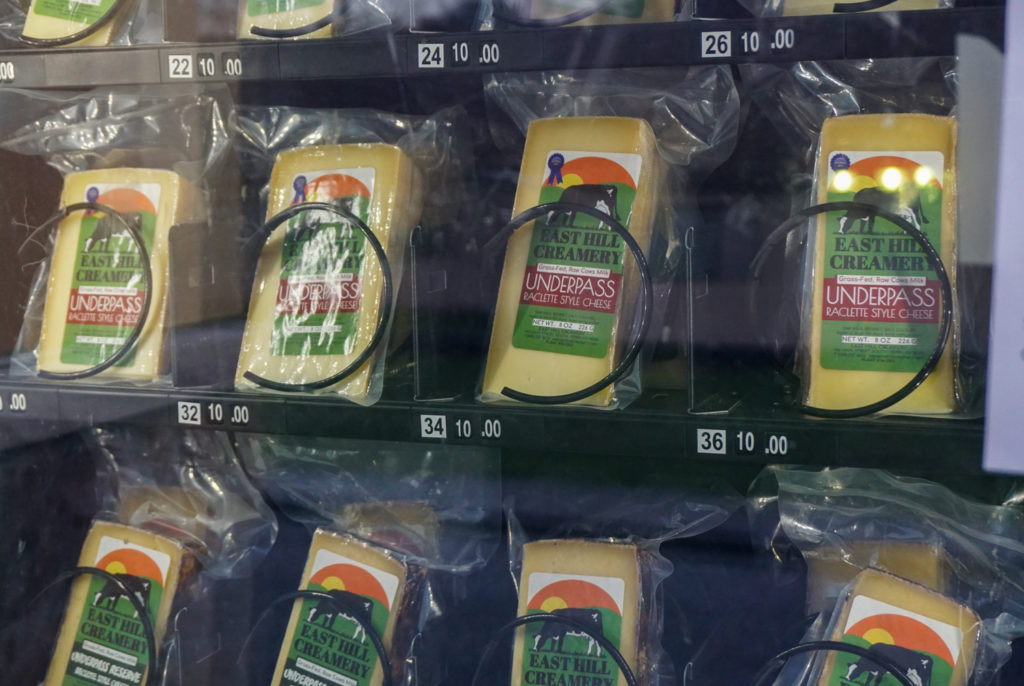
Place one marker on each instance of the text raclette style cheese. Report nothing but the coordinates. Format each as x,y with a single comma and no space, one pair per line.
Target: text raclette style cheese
101,640
604,585
96,282
792,8
322,642
316,298
876,305
615,12
283,15
933,636
566,301
53,19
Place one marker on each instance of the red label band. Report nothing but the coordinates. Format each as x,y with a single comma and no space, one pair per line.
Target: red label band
555,286
900,303
110,309
318,297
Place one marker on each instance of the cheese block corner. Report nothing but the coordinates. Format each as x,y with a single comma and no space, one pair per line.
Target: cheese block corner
568,290
52,19
284,14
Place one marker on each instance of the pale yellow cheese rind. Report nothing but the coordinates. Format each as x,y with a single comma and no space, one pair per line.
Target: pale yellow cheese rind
358,551
919,600
80,588
585,558
44,27
842,388
290,19
394,209
545,373
793,8
180,202
654,11
409,527
831,569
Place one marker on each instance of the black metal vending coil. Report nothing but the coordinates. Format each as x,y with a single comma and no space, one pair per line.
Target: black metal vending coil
864,6
646,299
590,631
772,668
147,300
503,12
89,30
126,592
298,31
934,261
342,605
387,292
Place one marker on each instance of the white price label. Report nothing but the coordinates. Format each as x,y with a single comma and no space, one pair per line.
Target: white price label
190,413
711,441
180,66
433,426
431,55
716,44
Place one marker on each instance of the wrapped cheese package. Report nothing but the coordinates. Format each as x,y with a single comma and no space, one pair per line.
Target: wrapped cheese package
795,8
541,13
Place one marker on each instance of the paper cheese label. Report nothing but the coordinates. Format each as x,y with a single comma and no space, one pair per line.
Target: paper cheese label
109,285
573,273
329,646
561,654
318,296
80,11
262,7
110,646
881,302
925,649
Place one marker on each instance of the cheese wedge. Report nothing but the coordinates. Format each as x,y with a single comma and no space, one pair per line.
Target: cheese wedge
830,570
601,584
96,283
61,18
316,298
616,12
101,639
568,289
793,8
932,637
321,641
876,303
284,14
405,526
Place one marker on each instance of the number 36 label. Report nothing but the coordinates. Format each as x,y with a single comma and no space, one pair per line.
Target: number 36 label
711,441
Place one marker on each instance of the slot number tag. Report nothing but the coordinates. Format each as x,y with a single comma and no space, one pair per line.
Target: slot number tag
214,413
715,44
181,66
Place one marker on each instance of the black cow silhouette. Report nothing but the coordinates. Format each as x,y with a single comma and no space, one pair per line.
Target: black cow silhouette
602,197
555,632
112,592
905,202
109,227
352,606
917,666
310,221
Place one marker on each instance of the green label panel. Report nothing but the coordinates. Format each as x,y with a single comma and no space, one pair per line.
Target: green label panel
107,290
632,9
86,12
881,303
560,654
261,7
853,670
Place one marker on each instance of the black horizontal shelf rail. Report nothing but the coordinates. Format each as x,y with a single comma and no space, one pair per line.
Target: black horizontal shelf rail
892,34
935,444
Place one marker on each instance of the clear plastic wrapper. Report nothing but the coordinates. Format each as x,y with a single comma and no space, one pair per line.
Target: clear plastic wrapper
588,569
177,515
97,309
548,13
581,295
68,23
373,177
305,19
791,8
417,519
883,317
938,567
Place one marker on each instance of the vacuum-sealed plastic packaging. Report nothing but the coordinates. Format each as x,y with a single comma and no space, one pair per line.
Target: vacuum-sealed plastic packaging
903,569
327,282
98,305
546,13
605,164
588,570
304,19
884,320
177,513
792,8
74,23
397,529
